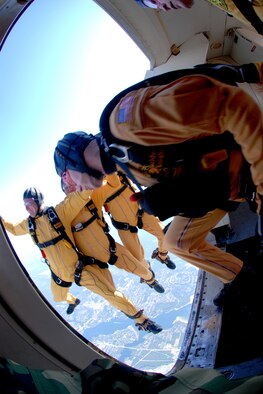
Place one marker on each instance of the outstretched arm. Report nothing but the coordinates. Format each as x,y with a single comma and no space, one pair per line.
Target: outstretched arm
17,228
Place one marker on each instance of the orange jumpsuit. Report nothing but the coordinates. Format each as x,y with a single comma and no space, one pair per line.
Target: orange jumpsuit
92,241
123,210
61,257
191,108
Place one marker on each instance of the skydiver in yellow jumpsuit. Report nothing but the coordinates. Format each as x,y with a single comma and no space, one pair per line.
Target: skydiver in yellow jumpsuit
93,240
128,216
61,257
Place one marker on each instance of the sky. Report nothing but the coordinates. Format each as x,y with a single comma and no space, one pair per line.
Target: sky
61,64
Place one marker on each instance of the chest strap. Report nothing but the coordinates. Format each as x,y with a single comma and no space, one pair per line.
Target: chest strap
80,226
112,245
32,231
53,241
94,212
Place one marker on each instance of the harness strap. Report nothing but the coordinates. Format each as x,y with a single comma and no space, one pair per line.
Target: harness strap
137,314
80,226
32,231
113,258
53,241
112,248
58,226
140,214
125,181
83,262
116,194
123,225
59,281
94,211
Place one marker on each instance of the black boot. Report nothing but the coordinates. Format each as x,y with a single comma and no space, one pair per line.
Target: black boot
72,307
150,326
153,284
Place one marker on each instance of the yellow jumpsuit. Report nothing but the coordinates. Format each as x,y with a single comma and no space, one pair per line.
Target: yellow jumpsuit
190,108
92,241
61,257
124,210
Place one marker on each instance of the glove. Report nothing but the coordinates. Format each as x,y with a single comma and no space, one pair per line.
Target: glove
231,74
139,197
136,197
171,198
149,202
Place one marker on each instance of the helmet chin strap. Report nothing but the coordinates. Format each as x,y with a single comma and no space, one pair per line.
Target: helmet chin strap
39,210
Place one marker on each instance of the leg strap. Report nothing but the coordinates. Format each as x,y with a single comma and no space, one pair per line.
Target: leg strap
59,281
162,253
83,261
137,315
148,281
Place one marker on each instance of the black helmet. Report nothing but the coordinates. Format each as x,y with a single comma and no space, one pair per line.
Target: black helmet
69,154
35,194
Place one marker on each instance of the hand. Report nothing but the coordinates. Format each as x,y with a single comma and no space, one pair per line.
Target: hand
136,197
